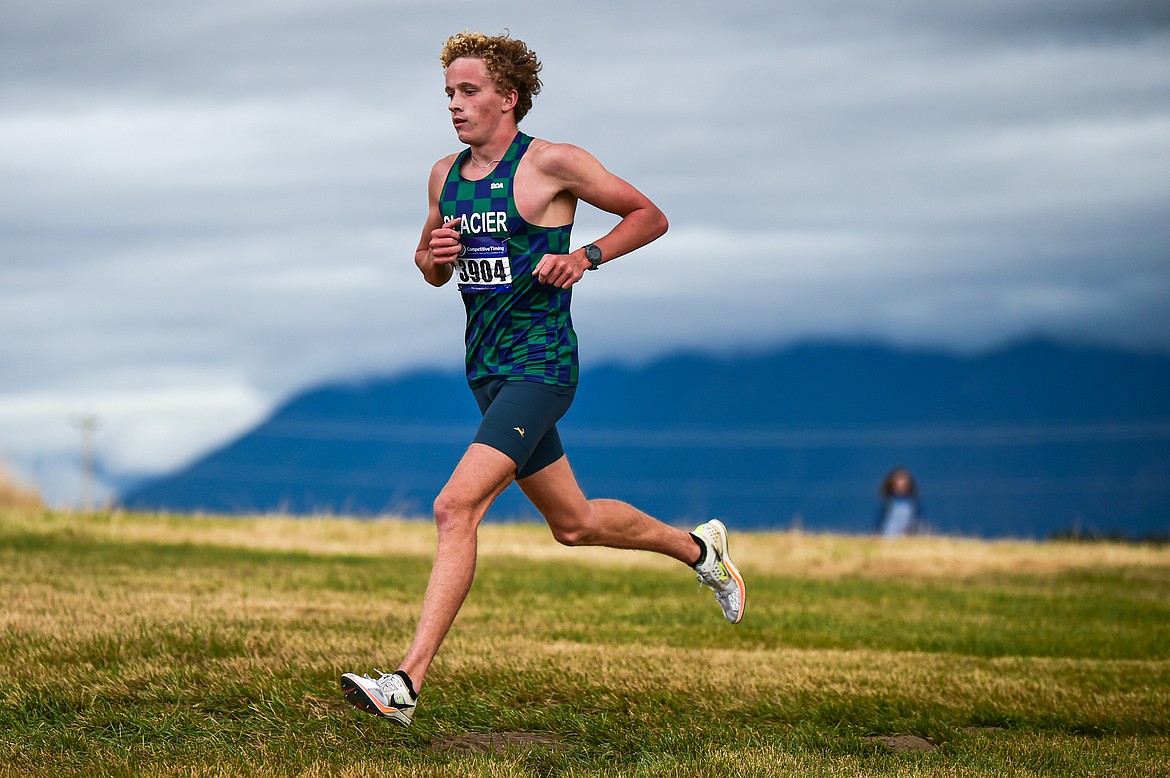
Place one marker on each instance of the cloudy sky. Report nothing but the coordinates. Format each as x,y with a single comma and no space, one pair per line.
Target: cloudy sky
206,207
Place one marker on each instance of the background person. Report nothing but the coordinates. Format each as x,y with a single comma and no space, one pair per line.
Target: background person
900,510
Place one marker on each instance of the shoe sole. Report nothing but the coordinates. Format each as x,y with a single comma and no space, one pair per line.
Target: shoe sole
731,568
357,696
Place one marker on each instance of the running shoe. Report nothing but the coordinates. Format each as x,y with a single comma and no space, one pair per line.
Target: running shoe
716,570
387,696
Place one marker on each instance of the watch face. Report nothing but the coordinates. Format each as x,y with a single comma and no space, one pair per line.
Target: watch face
592,253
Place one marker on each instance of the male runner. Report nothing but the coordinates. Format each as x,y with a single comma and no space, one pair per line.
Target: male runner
498,222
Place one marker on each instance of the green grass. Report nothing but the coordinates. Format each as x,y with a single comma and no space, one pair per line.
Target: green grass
145,645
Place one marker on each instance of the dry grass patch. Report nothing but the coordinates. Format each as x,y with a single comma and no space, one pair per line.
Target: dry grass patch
161,645
791,553
833,556
16,496
496,742
783,682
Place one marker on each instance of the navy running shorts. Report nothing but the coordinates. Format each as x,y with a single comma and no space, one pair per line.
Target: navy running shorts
520,420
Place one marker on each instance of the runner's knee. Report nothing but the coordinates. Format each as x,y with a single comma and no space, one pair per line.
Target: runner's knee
453,514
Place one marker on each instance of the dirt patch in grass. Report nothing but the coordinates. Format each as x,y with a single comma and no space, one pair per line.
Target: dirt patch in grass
983,730
901,744
496,742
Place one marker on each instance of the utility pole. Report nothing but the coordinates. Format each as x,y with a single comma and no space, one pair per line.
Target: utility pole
87,425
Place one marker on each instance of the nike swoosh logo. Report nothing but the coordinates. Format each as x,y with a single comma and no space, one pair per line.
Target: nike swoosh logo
392,706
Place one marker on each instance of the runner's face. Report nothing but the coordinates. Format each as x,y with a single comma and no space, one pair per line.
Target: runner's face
475,105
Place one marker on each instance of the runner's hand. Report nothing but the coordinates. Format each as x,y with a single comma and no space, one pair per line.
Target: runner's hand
445,246
560,270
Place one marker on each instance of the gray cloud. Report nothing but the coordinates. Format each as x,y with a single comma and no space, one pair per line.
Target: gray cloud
207,207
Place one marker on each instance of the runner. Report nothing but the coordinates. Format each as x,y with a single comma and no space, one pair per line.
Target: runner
498,223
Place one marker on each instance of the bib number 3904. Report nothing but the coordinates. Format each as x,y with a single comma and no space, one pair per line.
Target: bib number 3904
483,266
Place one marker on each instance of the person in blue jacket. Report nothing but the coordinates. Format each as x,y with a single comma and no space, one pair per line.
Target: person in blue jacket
901,513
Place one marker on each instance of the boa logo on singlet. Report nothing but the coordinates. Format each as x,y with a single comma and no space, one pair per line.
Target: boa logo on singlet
494,222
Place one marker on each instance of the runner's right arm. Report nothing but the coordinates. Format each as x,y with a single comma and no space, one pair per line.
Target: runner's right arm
438,247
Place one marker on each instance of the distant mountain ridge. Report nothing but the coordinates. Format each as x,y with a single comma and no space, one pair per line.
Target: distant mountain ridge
1021,441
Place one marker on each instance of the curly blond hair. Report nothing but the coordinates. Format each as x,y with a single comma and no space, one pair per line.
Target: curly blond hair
509,61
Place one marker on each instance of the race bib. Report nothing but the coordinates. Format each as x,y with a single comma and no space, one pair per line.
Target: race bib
483,266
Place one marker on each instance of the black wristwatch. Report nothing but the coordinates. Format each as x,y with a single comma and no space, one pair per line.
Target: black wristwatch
593,254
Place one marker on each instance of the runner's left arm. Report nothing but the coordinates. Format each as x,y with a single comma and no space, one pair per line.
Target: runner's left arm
581,174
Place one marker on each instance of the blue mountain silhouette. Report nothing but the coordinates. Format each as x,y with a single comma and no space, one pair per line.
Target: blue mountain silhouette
1023,441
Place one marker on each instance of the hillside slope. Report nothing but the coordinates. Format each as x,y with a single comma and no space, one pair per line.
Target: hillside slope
1022,441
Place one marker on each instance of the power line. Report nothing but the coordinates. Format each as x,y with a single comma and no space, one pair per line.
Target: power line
87,425
1021,434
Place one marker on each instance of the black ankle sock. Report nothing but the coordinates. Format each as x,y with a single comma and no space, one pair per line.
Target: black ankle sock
702,548
409,684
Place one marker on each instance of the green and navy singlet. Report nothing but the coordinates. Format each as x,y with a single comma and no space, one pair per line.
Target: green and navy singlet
517,327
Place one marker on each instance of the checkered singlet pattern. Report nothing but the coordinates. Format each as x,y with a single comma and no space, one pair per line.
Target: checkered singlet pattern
517,327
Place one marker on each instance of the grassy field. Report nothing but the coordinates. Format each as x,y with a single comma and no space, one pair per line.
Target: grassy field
184,646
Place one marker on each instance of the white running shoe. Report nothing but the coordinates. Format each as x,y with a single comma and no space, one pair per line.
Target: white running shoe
717,571
387,696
